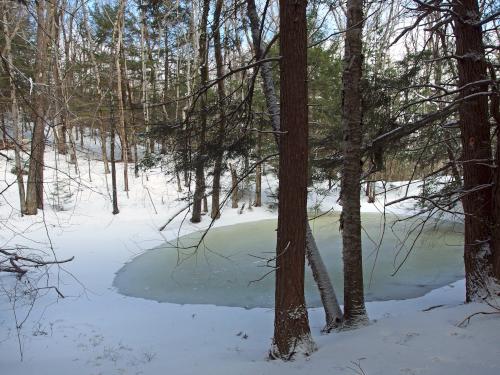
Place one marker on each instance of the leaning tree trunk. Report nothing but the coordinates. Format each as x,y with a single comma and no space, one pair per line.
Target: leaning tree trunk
354,301
476,148
34,193
332,308
291,324
333,313
199,191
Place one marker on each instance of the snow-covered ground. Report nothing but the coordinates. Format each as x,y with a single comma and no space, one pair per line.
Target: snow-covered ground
95,330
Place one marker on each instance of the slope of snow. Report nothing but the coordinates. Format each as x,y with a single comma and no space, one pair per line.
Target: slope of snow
95,330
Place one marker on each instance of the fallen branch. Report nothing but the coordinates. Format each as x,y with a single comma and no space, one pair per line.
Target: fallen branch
466,321
20,264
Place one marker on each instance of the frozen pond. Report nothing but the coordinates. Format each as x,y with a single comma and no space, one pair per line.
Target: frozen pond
228,268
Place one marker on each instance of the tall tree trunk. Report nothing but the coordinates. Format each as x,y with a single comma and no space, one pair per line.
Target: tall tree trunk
4,131
234,187
82,134
119,91
145,108
186,140
3,144
291,324
258,170
495,114
476,146
354,301
104,151
266,70
34,192
322,278
199,191
69,56
128,98
113,162
437,44
166,82
136,156
221,93
60,89
73,159
95,69
496,208
14,113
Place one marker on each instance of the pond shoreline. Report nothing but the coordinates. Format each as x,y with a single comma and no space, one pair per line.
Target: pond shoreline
152,276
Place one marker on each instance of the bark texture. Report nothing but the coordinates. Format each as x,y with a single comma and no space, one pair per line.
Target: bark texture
119,92
476,148
34,191
113,165
266,71
333,313
291,324
258,170
14,111
199,191
322,279
495,113
354,303
221,93
235,191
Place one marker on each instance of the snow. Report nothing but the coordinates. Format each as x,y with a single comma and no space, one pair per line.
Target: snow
95,330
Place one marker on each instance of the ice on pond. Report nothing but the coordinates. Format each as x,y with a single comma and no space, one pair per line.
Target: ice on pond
233,266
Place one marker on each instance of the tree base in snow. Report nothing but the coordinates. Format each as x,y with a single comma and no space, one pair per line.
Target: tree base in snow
303,346
354,323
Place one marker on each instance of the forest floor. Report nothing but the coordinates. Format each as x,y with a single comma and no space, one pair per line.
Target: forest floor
94,330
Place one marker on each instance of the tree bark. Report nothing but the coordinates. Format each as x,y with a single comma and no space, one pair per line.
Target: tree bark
34,192
119,91
104,151
14,113
144,81
495,114
113,162
258,170
266,70
322,278
221,93
291,323
4,132
60,89
234,187
102,128
333,313
199,191
476,148
354,302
